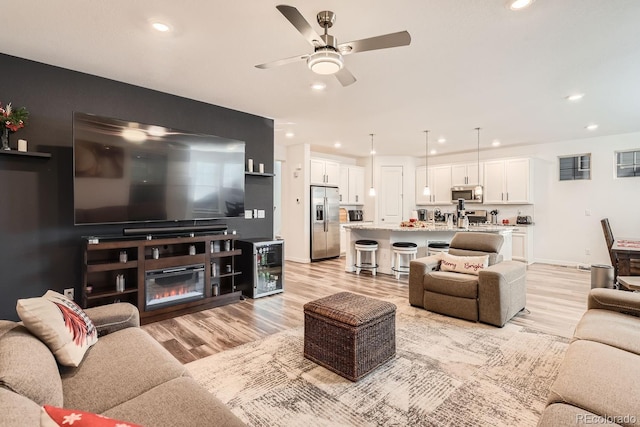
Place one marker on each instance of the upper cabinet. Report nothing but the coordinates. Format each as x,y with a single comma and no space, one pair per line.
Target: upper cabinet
466,174
351,185
325,172
439,184
507,181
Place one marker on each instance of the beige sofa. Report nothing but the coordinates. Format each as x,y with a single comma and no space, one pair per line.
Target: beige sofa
493,296
126,375
599,379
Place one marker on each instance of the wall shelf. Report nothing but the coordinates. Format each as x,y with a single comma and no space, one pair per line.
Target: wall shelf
265,174
26,154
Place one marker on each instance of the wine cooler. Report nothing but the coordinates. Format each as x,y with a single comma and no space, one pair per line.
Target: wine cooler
262,267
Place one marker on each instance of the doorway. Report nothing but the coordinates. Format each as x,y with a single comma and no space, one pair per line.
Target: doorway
390,202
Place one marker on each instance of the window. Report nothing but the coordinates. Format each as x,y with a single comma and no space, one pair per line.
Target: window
627,163
575,167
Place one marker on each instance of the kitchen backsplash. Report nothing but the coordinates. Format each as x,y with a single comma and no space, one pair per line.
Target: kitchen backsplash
509,212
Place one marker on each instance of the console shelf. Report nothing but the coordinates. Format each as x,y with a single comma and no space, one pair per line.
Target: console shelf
146,266
95,296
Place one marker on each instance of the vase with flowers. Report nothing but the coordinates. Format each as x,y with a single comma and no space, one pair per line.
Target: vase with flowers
12,119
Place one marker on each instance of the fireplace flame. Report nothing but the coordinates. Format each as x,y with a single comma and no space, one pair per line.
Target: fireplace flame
175,291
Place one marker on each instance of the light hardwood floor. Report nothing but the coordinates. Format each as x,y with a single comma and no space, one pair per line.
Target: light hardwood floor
556,299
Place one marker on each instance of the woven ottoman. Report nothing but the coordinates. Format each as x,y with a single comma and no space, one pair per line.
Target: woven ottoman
349,334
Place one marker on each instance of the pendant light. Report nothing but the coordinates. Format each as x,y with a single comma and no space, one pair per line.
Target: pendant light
426,191
372,190
479,186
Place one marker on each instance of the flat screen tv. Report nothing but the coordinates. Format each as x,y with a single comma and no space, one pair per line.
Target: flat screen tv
134,172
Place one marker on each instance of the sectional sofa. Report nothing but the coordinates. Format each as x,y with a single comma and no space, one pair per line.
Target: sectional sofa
125,375
599,378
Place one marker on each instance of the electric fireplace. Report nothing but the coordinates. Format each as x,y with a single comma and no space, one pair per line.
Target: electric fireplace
173,286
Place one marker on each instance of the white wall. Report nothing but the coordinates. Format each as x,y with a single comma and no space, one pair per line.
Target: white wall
295,202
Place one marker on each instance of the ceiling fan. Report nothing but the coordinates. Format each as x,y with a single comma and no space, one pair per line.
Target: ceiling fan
327,53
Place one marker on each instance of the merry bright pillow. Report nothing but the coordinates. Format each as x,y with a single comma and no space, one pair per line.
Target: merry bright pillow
60,324
463,264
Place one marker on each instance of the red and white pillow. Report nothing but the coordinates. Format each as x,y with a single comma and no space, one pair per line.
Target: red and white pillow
55,417
463,264
61,324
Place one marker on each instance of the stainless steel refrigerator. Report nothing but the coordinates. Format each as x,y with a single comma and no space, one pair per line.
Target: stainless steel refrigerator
325,222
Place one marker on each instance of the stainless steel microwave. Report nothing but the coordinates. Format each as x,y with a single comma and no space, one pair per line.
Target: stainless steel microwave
466,192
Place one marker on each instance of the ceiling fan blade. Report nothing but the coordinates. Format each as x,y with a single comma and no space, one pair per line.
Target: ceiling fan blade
402,38
345,77
297,20
284,61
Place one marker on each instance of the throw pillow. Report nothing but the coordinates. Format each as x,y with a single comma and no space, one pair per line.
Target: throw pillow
55,417
463,264
60,324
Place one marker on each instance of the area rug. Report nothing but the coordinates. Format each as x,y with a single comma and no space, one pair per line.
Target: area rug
447,372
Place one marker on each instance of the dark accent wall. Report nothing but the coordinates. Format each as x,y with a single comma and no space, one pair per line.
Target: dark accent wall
40,248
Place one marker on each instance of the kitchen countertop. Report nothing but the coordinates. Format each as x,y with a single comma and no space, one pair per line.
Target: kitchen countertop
433,227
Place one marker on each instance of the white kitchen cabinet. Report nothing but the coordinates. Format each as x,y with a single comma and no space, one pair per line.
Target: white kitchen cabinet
439,184
507,181
356,185
518,173
466,174
343,185
324,172
522,241
351,187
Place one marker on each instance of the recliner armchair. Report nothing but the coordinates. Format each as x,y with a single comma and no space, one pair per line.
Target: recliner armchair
494,296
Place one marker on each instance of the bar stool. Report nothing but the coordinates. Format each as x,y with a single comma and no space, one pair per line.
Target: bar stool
370,246
400,249
433,248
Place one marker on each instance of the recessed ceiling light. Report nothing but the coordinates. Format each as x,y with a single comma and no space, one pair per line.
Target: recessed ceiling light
495,143
441,140
159,26
592,126
433,152
519,4
318,86
289,134
575,97
337,145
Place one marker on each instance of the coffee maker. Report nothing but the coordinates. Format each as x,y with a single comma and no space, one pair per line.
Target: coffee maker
422,214
463,221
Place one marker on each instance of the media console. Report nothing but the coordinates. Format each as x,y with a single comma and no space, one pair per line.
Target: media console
164,276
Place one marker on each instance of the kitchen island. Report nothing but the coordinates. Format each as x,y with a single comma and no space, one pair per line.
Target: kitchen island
387,235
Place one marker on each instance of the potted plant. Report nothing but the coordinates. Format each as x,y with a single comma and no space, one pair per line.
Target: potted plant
12,119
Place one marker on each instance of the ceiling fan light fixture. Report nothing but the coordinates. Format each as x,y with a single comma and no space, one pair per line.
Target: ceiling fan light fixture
325,61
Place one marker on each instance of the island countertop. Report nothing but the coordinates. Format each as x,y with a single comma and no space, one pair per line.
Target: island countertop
388,234
432,227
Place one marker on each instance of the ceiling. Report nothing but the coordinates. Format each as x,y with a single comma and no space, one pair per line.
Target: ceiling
471,63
